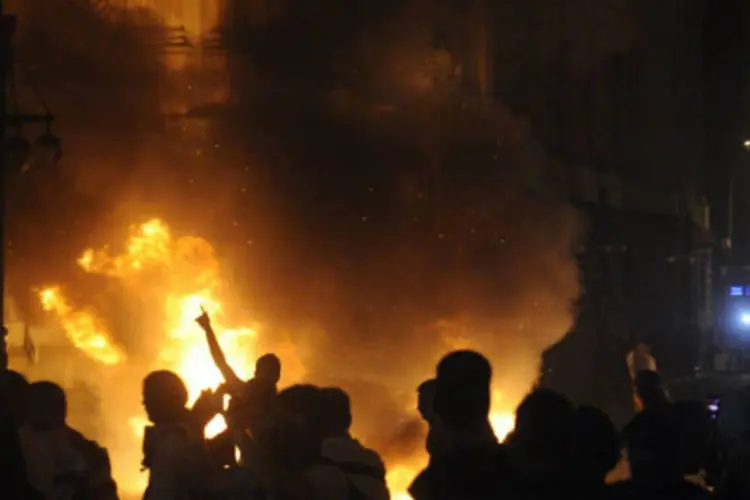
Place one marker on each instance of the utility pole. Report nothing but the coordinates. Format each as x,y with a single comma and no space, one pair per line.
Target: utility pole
17,145
6,32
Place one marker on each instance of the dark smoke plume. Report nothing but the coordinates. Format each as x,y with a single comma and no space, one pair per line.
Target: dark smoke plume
423,218
379,199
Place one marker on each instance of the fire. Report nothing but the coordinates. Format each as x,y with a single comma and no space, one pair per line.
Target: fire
81,327
190,277
182,276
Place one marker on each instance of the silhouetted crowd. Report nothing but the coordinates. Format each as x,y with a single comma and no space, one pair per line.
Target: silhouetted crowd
296,444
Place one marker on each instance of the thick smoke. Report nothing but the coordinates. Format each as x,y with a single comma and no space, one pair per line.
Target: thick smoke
365,197
423,217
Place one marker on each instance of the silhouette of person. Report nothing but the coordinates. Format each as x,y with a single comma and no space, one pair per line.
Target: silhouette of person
292,448
345,460
173,446
13,390
437,439
251,399
695,439
13,476
596,450
653,447
61,462
541,442
475,465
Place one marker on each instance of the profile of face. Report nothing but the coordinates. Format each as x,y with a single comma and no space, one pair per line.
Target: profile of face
3,349
426,400
151,403
164,396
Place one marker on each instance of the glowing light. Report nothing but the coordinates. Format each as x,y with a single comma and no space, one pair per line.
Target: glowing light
182,274
503,424
745,319
83,328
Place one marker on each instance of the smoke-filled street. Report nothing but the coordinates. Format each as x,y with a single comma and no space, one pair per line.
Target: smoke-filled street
456,244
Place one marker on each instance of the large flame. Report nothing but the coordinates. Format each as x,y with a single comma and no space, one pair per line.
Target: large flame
185,276
82,328
190,283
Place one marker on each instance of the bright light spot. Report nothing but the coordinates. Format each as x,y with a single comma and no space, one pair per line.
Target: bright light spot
745,319
502,424
180,275
215,427
746,143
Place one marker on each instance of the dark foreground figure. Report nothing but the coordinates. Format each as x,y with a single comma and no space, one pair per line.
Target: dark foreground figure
297,444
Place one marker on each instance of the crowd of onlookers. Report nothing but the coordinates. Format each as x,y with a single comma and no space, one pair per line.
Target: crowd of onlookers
296,443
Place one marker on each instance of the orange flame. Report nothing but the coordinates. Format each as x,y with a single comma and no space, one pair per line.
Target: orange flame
81,327
184,274
191,280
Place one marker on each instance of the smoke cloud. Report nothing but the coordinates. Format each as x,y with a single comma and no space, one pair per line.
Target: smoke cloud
365,200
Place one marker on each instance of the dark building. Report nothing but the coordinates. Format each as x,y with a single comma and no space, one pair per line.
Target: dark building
616,92
618,95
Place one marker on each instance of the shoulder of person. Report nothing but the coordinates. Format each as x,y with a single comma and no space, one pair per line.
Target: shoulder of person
422,487
327,481
171,440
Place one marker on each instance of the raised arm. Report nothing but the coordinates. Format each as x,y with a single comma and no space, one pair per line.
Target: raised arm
234,383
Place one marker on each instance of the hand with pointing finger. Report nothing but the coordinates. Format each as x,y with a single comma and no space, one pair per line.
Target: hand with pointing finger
204,320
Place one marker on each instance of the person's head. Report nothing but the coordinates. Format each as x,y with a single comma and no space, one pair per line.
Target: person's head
426,399
299,426
164,397
544,422
47,407
652,440
13,389
463,389
337,410
268,369
596,446
649,388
